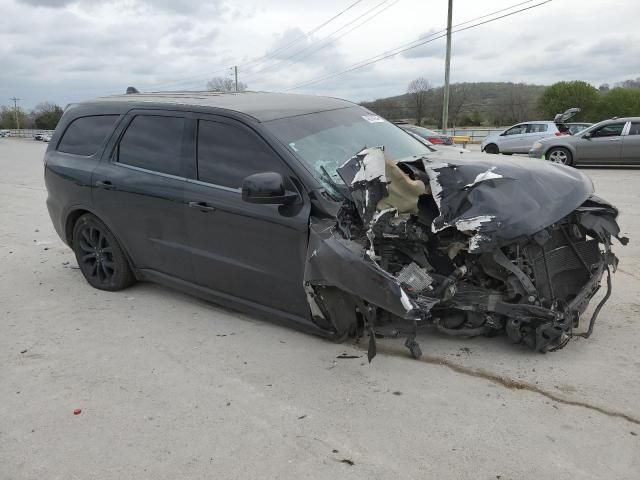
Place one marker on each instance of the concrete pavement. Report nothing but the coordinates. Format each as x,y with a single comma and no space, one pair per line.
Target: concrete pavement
172,387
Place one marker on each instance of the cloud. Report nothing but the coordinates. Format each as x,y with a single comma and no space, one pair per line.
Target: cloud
70,50
173,6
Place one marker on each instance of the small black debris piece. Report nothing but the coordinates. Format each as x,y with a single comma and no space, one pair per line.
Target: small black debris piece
346,355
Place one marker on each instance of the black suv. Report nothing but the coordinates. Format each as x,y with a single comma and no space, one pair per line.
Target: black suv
317,211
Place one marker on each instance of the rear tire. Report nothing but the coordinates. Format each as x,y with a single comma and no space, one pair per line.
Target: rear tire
492,148
100,257
560,155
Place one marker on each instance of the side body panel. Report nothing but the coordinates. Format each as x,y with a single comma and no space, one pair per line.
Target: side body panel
599,150
144,209
255,252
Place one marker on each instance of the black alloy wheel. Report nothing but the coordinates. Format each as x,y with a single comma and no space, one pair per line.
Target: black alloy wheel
100,258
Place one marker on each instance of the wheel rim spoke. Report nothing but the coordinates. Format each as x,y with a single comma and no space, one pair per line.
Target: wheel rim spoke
85,247
96,254
87,236
105,275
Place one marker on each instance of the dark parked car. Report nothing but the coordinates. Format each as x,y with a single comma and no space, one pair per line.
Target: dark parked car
429,135
317,212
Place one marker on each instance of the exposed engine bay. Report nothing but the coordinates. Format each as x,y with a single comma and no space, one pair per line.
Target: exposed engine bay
469,247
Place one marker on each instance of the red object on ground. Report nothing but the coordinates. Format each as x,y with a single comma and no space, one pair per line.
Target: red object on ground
77,411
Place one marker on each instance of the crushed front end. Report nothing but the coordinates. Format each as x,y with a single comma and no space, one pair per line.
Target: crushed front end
474,247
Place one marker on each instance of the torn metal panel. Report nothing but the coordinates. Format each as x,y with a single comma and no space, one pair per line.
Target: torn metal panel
365,175
335,261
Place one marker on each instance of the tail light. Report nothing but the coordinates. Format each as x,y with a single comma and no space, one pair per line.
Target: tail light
435,140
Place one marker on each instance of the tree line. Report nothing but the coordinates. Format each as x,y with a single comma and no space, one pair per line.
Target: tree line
45,116
506,103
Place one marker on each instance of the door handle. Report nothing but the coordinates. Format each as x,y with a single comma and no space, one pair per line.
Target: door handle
202,206
106,184
614,139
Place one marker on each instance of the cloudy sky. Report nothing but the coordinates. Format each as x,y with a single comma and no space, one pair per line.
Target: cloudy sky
69,50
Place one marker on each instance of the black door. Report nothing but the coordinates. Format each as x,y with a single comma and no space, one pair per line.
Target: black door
139,192
254,252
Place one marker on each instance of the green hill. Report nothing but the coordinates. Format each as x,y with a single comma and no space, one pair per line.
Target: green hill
483,103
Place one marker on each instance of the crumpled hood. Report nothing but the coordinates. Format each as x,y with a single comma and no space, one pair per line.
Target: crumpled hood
502,199
495,200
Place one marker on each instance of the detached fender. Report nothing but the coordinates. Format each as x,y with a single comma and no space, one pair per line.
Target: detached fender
335,261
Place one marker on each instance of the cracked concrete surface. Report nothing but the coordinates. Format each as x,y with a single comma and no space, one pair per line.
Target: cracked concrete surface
172,387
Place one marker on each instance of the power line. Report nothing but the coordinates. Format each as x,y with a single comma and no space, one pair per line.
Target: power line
305,35
266,56
404,48
328,37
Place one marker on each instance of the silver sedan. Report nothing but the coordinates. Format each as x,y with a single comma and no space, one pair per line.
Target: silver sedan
611,142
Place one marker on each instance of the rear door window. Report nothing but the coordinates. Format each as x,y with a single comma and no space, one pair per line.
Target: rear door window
152,142
85,134
537,128
228,153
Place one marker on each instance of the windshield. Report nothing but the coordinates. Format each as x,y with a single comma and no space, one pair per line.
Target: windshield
325,140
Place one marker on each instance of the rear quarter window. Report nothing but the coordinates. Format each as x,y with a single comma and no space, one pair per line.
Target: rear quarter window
84,135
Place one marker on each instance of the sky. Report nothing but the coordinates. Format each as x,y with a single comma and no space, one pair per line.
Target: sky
65,51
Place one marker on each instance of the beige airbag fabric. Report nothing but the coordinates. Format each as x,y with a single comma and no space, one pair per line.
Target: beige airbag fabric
403,191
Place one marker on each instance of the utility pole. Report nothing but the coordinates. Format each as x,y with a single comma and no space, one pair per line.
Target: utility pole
447,63
15,111
235,70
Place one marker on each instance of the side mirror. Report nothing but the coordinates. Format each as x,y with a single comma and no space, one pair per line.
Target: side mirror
266,188
587,135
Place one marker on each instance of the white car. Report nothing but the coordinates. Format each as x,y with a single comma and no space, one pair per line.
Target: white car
521,137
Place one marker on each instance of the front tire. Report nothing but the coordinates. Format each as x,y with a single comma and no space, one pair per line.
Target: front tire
492,148
100,257
560,155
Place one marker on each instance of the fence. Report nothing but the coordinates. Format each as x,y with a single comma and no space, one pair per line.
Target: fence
26,132
476,134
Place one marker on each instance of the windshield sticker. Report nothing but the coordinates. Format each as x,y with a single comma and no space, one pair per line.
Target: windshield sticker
373,118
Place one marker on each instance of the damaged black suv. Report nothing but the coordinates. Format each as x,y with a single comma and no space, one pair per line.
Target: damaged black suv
317,212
